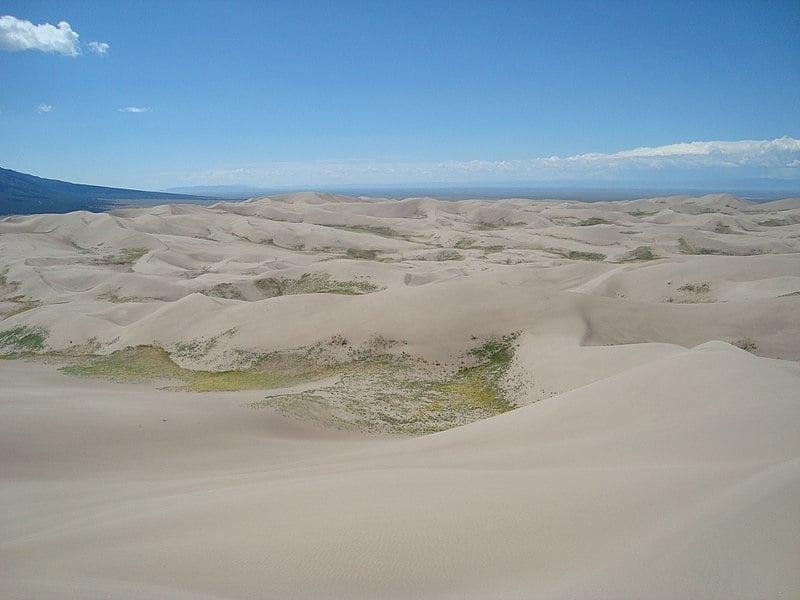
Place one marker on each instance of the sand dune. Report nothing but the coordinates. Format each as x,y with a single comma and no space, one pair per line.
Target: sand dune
650,349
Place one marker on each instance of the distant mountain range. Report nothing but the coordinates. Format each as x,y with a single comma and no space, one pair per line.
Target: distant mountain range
23,194
230,192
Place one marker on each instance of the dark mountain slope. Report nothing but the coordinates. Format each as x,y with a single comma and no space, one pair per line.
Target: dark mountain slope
23,194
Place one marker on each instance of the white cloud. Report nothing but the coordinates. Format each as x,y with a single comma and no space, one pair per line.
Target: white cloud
100,48
765,153
669,165
134,109
17,35
43,108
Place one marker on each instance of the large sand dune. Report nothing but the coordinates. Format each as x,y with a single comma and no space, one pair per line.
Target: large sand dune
651,348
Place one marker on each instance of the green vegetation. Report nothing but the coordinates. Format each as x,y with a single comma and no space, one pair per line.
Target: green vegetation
789,294
115,299
745,344
380,392
577,254
22,339
359,254
126,257
8,293
640,254
686,248
20,306
593,221
373,229
448,254
150,363
464,243
724,229
373,389
774,223
314,283
224,290
696,288
486,227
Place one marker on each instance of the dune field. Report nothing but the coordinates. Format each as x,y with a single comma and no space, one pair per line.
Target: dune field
319,396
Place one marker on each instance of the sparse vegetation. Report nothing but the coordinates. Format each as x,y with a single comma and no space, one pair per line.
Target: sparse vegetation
224,290
382,392
9,293
375,390
373,229
151,363
314,283
723,229
448,254
360,254
773,223
642,253
125,257
577,254
486,227
696,288
591,221
745,344
22,339
116,299
686,248
19,306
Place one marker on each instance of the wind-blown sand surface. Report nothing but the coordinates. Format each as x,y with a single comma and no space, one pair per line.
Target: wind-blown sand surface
650,349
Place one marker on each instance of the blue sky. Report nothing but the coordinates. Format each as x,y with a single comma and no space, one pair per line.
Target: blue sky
308,94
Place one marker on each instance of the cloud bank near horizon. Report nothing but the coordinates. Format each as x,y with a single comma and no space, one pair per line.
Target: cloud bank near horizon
17,35
777,159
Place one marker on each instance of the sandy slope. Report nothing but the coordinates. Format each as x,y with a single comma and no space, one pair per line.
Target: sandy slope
650,458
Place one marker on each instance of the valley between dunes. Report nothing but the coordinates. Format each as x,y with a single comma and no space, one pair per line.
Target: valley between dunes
318,396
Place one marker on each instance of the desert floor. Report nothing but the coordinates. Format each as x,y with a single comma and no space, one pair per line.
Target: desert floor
313,396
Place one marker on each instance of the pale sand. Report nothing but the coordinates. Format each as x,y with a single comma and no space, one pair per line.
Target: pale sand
650,458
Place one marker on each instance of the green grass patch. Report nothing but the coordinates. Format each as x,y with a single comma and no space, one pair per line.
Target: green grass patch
774,223
314,283
696,288
359,254
381,392
224,290
22,340
125,257
20,306
591,221
578,255
151,363
686,248
448,254
464,244
486,227
116,299
374,390
378,230
640,254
